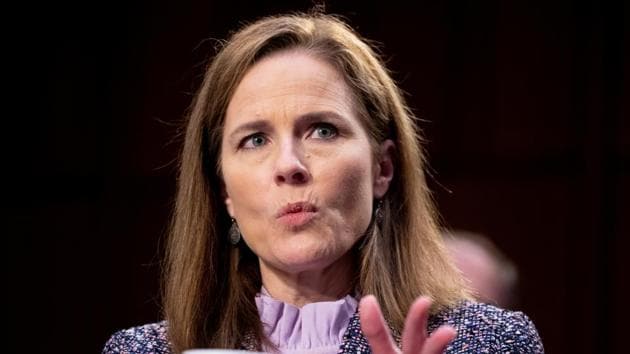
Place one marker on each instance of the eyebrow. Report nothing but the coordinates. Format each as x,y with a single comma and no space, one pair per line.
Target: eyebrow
312,117
255,125
304,119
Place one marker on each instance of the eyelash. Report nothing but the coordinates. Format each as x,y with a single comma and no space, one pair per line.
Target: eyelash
248,140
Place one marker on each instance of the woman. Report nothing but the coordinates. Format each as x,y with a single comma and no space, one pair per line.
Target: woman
301,192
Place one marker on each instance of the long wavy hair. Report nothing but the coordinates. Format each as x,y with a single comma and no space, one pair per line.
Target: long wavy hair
210,285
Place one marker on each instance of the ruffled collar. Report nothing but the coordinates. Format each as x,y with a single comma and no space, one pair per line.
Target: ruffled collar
316,328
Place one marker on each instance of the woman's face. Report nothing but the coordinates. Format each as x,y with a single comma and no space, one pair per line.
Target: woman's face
299,172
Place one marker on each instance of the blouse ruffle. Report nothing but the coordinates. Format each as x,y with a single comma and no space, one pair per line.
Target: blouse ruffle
316,328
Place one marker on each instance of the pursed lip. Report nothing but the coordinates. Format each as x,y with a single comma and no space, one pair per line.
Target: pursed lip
293,208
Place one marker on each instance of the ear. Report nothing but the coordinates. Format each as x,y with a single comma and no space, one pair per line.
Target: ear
384,169
227,200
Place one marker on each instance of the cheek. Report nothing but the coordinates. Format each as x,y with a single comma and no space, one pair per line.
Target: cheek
350,191
244,190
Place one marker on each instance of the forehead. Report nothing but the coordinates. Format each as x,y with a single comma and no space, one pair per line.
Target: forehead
291,81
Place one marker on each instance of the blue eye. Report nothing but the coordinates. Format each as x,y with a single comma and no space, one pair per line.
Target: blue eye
324,131
254,141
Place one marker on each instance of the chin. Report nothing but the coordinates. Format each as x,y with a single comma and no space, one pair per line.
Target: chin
306,259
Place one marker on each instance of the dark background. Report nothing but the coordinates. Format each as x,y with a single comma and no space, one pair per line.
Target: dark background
525,107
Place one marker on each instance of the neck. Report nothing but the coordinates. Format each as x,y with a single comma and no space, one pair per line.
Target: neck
298,289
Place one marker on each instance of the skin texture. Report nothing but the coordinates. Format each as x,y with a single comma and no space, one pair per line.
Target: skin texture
292,135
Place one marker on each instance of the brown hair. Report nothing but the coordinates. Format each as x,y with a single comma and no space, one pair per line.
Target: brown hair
210,285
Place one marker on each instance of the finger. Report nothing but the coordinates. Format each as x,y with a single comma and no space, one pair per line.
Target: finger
439,340
374,327
415,332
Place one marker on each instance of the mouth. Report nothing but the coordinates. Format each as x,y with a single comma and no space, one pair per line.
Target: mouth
297,214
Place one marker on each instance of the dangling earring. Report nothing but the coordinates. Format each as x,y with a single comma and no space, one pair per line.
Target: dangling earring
378,213
378,219
374,231
235,233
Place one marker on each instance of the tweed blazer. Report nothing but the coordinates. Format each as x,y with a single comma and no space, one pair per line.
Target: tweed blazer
481,328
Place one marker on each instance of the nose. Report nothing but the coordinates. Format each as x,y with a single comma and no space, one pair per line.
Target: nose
290,167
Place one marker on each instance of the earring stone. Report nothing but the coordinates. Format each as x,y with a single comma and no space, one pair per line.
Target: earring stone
235,233
378,213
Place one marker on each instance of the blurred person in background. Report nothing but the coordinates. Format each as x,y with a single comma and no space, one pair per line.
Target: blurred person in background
491,275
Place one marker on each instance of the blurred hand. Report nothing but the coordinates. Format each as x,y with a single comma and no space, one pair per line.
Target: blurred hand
415,338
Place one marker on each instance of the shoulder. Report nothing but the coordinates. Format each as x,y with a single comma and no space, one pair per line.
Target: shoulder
485,328
147,339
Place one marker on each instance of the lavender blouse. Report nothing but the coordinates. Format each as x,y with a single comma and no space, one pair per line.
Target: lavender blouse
316,328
